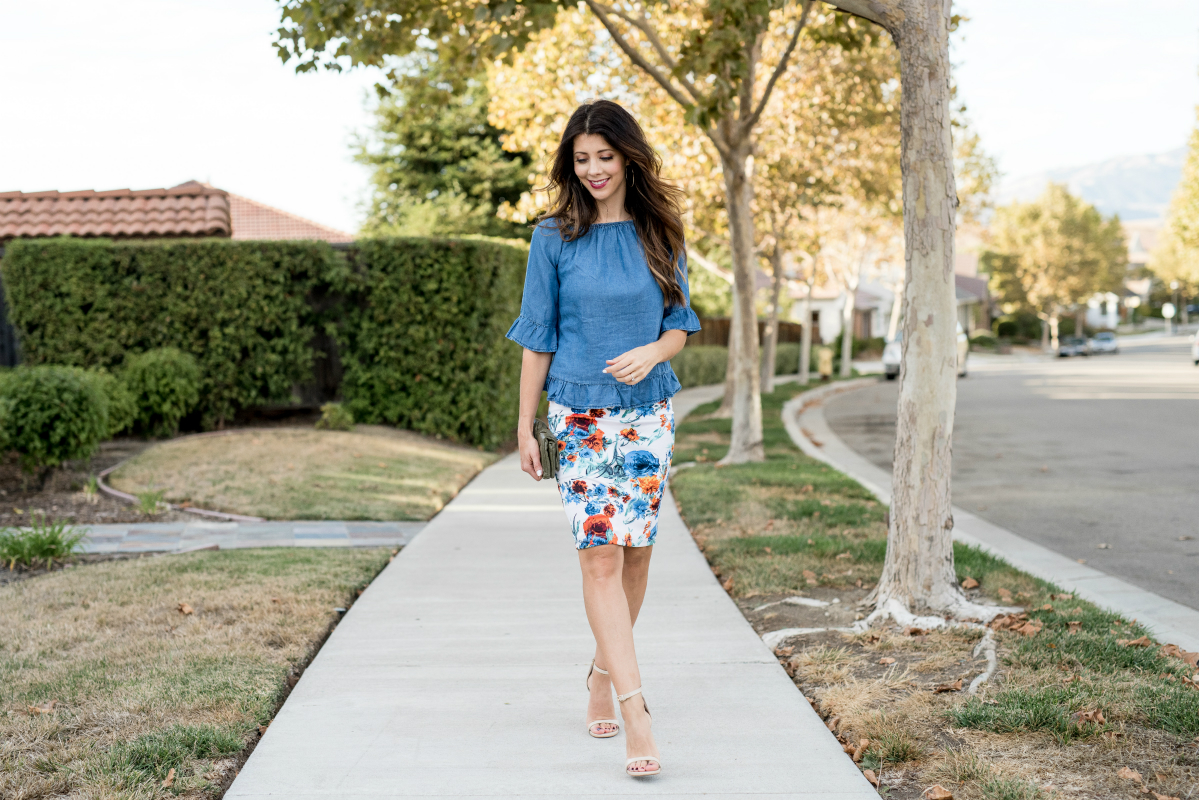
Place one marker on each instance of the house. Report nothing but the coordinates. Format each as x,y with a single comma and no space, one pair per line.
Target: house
189,210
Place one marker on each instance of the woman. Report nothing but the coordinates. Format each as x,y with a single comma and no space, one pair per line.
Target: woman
605,308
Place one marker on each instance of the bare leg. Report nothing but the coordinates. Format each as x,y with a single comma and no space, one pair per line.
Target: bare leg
634,575
610,613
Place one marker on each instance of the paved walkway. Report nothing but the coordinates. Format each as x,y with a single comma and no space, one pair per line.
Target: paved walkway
459,673
179,536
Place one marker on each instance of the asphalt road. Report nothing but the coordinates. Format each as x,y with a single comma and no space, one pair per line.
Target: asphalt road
1096,458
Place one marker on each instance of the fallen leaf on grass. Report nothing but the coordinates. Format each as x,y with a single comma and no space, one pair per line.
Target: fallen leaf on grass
844,555
727,585
848,748
1177,652
860,749
1127,774
44,708
915,632
1092,717
1061,597
1045,607
1075,626
185,609
956,686
810,577
262,729
869,775
969,583
1030,628
1005,595
832,723
886,661
170,779
784,651
1144,641
937,792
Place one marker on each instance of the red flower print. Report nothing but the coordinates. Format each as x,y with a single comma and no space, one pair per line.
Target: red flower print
612,491
609,510
649,485
629,435
597,525
579,487
595,441
572,458
655,503
625,498
597,412
561,445
581,422
628,540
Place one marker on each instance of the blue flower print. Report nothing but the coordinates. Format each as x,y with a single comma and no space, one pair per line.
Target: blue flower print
640,464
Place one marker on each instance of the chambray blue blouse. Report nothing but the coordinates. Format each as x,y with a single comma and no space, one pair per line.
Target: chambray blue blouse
590,300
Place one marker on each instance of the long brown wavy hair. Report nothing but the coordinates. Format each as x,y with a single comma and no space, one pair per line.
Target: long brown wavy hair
651,202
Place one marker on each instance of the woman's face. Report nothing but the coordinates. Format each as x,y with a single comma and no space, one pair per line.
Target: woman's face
598,166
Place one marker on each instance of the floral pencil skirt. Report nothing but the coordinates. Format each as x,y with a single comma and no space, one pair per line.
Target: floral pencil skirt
613,463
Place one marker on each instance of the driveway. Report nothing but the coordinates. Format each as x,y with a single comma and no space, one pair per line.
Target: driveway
1096,458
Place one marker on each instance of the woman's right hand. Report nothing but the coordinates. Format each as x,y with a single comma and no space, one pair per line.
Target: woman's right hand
530,455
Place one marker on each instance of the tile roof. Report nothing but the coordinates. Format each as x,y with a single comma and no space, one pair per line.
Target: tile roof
254,220
190,209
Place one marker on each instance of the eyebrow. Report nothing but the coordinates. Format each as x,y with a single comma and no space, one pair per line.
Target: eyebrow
598,152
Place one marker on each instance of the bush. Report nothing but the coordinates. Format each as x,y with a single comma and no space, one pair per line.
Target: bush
983,339
246,310
122,410
165,385
700,365
422,336
42,543
52,415
335,417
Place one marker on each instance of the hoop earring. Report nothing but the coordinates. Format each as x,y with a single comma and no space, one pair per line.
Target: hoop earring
632,176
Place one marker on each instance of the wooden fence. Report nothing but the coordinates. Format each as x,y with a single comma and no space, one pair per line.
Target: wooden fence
716,332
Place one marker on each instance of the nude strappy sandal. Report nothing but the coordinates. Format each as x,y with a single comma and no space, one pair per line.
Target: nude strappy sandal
614,723
642,773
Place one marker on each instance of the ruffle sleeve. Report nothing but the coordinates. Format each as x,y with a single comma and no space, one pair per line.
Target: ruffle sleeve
537,326
681,318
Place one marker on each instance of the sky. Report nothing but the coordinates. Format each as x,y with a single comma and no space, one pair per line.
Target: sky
1063,83
151,93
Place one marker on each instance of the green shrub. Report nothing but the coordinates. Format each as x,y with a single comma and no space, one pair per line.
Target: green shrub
335,417
165,386
52,415
422,337
41,543
786,358
700,365
246,310
122,410
983,339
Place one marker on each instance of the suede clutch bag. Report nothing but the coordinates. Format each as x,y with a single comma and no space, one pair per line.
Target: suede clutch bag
547,444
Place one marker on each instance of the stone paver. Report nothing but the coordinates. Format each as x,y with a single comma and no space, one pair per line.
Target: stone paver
173,536
459,673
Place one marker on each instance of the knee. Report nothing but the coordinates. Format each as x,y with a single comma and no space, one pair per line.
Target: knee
602,563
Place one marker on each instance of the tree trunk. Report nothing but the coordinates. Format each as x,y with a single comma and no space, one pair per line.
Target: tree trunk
1054,343
1044,332
918,572
746,441
805,340
771,337
896,308
730,369
847,332
1080,321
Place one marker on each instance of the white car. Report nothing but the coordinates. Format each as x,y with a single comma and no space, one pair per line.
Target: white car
1105,342
893,354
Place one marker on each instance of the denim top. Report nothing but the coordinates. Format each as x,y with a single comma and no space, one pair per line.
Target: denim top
590,300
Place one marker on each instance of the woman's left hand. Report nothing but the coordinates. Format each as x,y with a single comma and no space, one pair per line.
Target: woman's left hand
632,367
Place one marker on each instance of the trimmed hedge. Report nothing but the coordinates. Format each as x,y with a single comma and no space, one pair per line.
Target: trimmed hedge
242,309
422,338
704,364
165,386
52,414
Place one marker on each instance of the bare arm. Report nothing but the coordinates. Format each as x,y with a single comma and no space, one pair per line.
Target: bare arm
633,366
533,368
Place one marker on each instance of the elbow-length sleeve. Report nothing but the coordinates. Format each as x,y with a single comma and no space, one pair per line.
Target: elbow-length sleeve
681,317
537,326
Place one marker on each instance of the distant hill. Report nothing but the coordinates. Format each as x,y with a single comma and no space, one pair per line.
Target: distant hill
1135,187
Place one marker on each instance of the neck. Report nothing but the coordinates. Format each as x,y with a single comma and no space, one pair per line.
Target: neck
612,209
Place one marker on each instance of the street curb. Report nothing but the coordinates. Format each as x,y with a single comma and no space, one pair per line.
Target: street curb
1169,621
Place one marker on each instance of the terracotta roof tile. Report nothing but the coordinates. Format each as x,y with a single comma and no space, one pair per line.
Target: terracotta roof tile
190,209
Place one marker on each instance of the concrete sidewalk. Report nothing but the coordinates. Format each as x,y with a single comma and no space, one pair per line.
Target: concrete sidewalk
459,673
175,536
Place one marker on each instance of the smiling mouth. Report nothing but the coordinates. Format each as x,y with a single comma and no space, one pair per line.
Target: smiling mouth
599,184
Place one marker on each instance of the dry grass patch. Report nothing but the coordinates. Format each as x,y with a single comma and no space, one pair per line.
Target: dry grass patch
106,684
798,545
374,473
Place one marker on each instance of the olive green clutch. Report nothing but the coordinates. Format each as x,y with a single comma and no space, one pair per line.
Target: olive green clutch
547,444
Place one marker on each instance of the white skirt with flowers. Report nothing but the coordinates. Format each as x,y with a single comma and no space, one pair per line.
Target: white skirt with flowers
613,464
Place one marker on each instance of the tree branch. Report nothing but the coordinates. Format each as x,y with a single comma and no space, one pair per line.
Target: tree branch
642,24
866,9
748,123
602,13
709,265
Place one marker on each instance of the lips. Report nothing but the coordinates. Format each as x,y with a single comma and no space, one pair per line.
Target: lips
599,184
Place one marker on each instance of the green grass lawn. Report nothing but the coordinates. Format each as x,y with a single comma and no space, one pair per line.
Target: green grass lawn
106,685
371,473
792,525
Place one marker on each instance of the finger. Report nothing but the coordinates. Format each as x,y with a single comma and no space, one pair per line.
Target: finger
535,463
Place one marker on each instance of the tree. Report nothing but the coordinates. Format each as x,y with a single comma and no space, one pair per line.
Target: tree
1053,255
438,166
1176,254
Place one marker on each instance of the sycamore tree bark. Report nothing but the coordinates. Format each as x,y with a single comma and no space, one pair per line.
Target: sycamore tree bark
770,338
851,297
918,573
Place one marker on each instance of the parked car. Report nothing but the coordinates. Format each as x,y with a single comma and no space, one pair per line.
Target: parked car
1073,346
1105,342
893,354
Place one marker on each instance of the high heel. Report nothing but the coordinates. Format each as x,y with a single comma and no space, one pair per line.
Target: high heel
591,725
641,773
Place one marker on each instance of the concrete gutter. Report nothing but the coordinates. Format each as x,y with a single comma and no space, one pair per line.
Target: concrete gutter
1170,621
